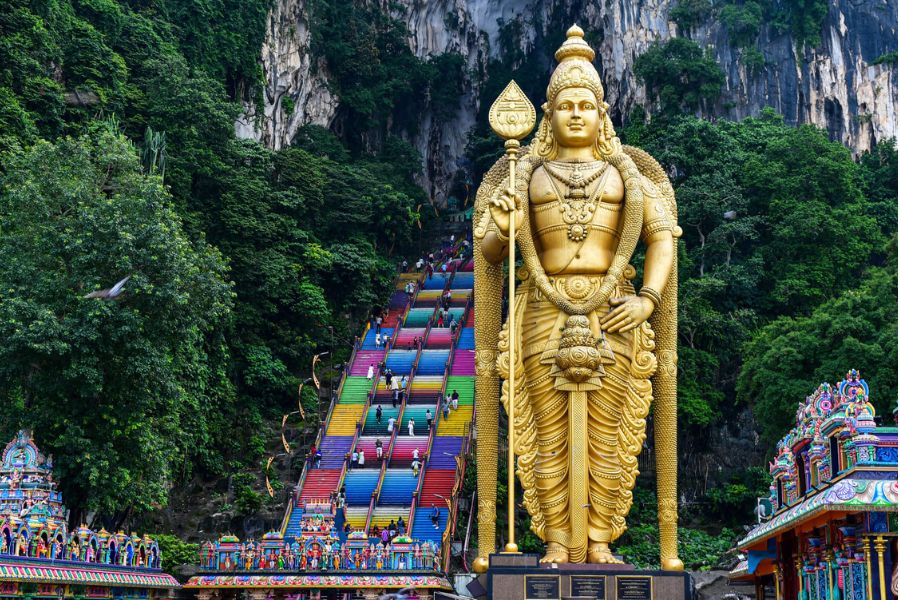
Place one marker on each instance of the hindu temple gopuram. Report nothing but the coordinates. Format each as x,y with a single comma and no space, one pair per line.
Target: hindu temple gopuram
41,558
833,531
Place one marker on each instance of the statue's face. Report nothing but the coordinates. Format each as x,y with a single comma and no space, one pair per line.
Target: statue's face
575,119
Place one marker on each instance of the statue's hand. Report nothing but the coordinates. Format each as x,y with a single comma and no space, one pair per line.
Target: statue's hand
629,313
501,208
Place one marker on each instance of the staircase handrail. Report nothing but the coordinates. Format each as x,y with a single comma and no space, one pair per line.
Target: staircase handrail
287,513
369,514
453,503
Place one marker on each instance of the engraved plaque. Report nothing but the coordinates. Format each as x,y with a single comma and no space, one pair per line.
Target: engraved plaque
589,586
634,587
541,587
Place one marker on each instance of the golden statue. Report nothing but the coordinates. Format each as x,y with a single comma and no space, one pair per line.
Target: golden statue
585,346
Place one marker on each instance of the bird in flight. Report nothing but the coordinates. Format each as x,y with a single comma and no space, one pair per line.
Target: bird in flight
109,293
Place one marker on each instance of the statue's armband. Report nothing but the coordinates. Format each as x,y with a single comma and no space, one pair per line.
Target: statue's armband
656,215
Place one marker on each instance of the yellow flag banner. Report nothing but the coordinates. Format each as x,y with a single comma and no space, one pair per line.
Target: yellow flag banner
284,443
269,485
315,379
300,402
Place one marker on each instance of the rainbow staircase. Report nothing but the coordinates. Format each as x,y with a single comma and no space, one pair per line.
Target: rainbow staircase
388,490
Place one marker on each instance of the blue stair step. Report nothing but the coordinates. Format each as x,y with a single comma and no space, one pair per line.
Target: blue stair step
360,484
422,527
398,487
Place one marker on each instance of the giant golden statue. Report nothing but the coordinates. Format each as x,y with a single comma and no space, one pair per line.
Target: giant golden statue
586,346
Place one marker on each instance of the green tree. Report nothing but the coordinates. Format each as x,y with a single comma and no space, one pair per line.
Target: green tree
680,75
879,173
175,552
788,358
743,22
123,392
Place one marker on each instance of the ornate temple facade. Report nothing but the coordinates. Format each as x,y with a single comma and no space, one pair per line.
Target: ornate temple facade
41,558
832,531
316,565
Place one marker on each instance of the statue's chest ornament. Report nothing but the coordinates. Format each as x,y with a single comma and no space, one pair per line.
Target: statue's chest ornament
576,207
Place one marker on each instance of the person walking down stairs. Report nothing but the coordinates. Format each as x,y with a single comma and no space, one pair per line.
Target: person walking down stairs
435,516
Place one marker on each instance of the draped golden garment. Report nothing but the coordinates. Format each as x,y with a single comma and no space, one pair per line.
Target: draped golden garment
579,475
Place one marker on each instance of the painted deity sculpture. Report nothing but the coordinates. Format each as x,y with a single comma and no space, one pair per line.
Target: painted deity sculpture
586,345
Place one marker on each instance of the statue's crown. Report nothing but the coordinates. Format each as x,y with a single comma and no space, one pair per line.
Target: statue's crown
574,46
575,68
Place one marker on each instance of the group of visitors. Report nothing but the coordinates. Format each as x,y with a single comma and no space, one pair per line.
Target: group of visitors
416,343
391,531
382,341
446,319
315,455
450,401
357,458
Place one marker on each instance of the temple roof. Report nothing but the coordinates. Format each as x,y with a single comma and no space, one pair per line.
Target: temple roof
89,574
848,494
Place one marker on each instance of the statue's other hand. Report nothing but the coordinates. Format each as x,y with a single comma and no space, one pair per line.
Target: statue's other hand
502,206
629,313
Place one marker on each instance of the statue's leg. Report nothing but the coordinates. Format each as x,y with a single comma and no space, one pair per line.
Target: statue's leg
551,467
604,475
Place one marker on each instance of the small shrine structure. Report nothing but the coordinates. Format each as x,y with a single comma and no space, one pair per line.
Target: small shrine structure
832,534
41,558
323,562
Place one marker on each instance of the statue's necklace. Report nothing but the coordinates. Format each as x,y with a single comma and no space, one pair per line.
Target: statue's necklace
576,208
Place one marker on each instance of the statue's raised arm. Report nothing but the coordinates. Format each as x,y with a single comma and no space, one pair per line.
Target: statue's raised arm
591,354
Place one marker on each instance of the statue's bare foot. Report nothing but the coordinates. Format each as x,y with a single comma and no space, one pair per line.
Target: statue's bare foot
556,553
599,554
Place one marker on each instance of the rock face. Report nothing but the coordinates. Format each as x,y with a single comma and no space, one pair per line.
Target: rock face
296,91
833,85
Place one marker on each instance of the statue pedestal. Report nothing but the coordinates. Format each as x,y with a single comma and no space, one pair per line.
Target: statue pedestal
521,577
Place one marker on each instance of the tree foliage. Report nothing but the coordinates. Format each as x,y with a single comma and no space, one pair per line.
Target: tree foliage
122,392
306,233
680,74
779,226
789,357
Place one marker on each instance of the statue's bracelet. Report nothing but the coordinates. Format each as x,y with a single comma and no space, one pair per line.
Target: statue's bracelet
500,236
651,295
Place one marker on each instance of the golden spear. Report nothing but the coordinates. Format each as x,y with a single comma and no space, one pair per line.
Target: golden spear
512,117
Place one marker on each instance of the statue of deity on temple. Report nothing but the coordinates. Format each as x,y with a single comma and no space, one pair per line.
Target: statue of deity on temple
591,354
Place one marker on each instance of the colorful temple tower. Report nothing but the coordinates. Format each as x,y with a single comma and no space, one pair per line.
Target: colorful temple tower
832,534
41,558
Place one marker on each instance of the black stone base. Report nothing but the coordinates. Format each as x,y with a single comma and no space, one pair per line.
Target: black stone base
521,577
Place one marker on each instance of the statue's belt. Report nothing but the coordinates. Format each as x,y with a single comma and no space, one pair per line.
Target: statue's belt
621,344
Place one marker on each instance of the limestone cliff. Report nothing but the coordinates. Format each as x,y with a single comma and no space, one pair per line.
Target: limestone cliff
834,85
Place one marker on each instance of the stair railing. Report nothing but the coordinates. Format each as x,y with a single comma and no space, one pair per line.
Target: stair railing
452,506
287,513
369,515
